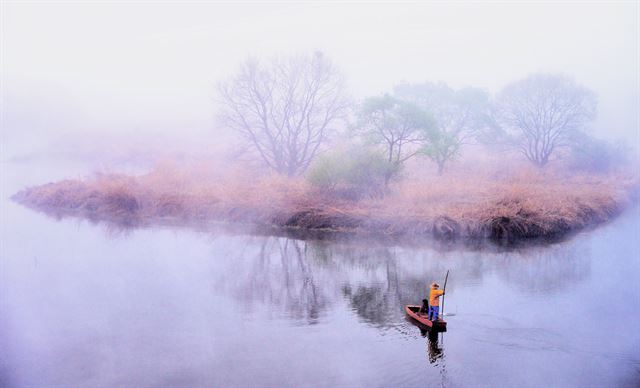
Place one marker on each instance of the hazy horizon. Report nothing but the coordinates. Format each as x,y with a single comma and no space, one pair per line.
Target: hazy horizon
176,213
112,69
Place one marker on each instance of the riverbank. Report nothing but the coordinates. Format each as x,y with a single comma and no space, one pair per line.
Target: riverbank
505,209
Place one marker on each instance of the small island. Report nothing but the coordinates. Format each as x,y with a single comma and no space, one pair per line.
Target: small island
425,160
508,209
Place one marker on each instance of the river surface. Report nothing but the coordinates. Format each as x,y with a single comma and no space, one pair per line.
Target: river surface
88,305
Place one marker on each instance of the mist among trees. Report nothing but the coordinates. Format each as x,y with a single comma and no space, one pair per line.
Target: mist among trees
285,108
543,113
289,109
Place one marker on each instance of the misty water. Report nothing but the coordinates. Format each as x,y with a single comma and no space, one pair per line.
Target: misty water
88,304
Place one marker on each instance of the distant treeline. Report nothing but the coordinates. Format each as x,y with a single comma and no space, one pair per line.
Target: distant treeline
288,109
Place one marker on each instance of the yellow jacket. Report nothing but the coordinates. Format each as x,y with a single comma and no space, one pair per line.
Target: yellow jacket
433,297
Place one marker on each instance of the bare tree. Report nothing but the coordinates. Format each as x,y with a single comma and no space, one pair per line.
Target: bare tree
285,109
542,112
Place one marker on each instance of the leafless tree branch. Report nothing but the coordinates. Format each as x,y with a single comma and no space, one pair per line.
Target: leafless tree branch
285,109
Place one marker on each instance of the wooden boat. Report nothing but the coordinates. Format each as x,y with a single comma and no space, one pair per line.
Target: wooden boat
414,312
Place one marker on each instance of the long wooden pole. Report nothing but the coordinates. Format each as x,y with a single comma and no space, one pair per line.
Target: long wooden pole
444,290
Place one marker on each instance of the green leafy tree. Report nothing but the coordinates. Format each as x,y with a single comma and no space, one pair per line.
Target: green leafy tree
460,116
401,128
442,148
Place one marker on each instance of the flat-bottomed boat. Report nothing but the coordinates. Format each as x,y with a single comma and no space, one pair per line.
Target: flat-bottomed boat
414,312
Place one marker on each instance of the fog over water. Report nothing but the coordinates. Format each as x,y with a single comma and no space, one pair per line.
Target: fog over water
159,275
93,305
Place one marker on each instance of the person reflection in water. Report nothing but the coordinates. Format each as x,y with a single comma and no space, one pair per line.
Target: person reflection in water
435,351
434,301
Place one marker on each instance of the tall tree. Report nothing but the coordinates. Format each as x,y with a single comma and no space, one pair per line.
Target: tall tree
460,115
400,127
285,109
542,113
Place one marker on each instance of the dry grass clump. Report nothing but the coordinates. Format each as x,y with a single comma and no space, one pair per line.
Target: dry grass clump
170,192
527,204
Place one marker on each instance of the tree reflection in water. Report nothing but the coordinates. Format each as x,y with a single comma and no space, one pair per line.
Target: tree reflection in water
281,275
305,278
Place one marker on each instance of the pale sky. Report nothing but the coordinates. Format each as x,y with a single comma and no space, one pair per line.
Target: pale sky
152,66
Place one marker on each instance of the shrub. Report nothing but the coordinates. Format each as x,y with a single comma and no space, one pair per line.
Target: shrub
352,174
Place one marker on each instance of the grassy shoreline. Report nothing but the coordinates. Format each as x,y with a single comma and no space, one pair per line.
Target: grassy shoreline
507,210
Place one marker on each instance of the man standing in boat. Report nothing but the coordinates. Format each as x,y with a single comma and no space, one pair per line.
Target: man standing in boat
434,301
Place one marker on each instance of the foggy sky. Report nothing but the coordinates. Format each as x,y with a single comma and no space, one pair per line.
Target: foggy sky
152,67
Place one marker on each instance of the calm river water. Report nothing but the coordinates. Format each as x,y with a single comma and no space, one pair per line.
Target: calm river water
88,305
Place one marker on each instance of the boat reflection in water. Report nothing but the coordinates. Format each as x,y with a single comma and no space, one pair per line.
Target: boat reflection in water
436,339
435,350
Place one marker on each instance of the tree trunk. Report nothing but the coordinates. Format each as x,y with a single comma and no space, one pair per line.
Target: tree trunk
387,178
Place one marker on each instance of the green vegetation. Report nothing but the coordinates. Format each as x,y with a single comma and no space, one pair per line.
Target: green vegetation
461,116
352,174
288,109
397,127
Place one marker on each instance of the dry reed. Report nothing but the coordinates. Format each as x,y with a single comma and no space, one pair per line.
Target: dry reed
529,204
